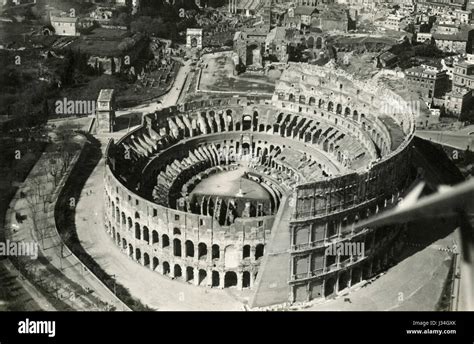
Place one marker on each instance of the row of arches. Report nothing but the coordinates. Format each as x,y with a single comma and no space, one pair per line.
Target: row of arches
185,248
194,275
347,278
339,109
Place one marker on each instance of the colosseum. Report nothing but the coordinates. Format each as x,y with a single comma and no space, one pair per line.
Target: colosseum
250,193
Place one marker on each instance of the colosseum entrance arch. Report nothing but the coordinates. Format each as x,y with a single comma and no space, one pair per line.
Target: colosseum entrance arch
230,279
202,277
215,279
329,287
246,122
246,279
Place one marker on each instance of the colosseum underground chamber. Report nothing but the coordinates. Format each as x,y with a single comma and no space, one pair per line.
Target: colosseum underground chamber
234,192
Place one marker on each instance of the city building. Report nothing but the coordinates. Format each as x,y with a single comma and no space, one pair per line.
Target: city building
463,75
395,22
430,82
461,42
64,25
457,102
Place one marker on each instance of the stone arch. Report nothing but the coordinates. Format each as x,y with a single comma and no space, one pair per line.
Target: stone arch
347,112
343,281
356,275
230,279
202,250
156,262
138,233
155,237
246,279
330,106
259,251
177,271
165,241
355,116
246,122
189,245
146,260
177,247
312,101
166,268
146,234
189,274
202,276
216,253
138,255
215,279
329,287
246,251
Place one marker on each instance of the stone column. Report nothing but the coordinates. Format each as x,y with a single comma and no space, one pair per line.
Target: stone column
209,278
239,280
252,254
221,280
196,277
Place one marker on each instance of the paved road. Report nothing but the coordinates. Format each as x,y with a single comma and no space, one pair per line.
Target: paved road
453,139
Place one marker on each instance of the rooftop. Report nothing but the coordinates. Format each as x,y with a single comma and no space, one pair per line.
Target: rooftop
105,95
304,10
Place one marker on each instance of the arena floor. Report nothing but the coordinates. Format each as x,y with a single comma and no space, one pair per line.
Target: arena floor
229,184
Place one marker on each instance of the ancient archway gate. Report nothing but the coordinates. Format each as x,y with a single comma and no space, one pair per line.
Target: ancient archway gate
194,38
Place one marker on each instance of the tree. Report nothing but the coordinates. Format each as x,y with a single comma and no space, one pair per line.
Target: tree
36,203
66,146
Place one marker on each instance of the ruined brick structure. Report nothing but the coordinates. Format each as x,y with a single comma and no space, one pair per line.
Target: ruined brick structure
326,152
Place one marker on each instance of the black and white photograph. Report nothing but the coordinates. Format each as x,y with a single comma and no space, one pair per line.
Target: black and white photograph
237,157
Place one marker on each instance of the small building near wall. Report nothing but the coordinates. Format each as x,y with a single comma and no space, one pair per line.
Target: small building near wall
105,111
64,25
